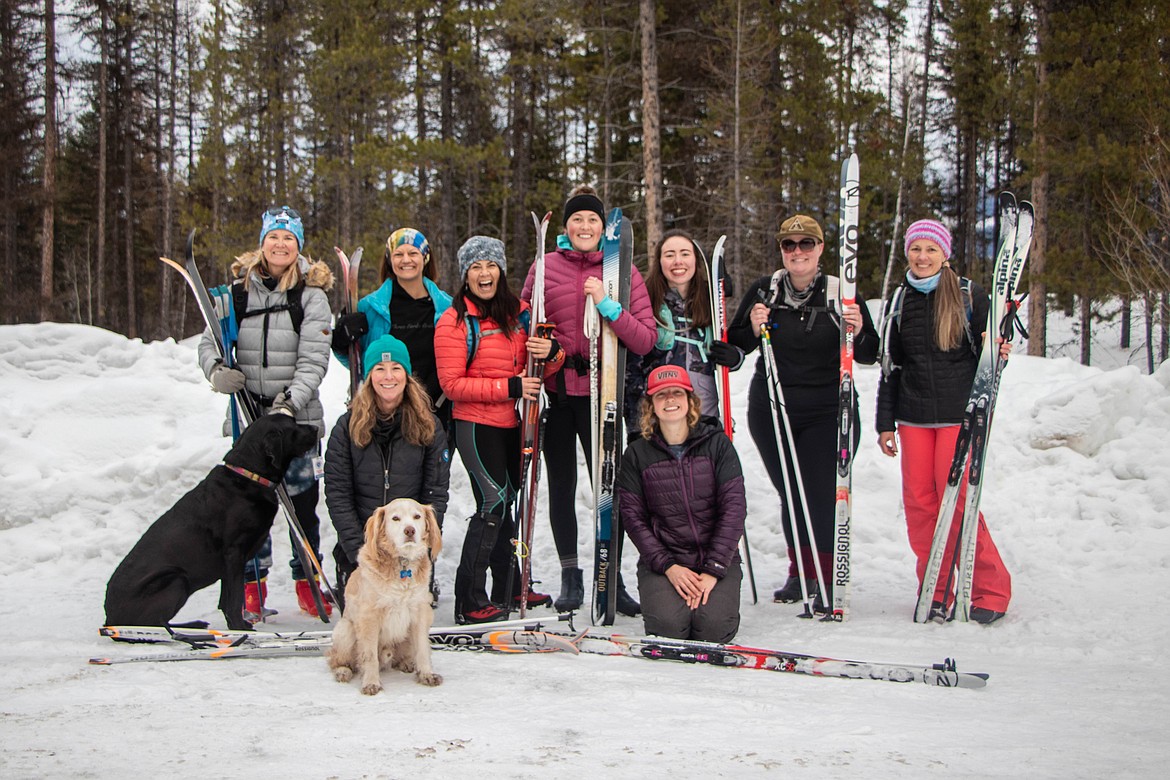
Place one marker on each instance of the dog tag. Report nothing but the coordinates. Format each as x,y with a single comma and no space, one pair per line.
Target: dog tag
318,467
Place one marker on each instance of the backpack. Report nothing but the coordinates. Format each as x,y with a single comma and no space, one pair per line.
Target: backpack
473,332
292,304
832,292
893,316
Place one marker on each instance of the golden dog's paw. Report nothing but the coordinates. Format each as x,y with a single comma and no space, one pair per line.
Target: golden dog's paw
431,679
372,689
343,674
405,665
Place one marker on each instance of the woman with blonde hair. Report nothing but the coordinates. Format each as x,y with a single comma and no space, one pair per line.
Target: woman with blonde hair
280,354
931,351
388,445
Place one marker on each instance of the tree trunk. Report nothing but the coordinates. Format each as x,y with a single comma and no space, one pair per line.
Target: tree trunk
1037,287
1126,320
1086,322
737,274
1164,350
420,111
50,177
102,162
927,46
651,152
522,126
892,259
447,237
1148,299
127,130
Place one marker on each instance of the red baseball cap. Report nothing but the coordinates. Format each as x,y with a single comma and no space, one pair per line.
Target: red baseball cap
668,376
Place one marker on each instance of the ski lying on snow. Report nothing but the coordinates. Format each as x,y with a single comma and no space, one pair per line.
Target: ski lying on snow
516,640
943,675
202,634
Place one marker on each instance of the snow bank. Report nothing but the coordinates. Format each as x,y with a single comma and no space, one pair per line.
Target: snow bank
99,435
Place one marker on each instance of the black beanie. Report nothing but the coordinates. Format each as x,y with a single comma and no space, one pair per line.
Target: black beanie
586,201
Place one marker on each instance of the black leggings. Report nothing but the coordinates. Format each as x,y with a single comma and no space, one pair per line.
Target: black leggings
815,432
568,418
492,458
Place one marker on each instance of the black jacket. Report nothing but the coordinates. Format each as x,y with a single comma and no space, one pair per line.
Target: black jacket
807,346
929,386
358,480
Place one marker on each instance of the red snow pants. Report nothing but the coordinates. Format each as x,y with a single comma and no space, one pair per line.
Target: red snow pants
926,459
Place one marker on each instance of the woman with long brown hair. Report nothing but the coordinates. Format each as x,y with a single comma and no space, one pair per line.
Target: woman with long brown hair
482,346
680,296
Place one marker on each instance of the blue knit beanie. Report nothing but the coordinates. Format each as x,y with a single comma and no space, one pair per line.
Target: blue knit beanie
385,348
283,218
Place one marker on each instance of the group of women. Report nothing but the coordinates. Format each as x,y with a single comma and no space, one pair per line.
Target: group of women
445,368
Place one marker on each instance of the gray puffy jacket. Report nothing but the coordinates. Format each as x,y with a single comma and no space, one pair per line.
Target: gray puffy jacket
272,355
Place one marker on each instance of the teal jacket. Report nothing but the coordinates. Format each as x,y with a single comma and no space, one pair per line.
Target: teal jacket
376,307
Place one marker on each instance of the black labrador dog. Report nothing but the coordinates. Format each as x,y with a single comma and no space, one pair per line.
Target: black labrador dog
210,533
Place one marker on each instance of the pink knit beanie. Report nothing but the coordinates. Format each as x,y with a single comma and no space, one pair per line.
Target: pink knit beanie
932,230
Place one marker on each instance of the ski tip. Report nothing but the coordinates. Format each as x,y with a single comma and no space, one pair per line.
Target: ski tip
100,661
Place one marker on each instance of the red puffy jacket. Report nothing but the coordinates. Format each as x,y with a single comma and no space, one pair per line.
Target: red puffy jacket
479,392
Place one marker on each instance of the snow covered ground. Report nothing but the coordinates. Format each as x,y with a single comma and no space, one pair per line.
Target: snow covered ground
99,435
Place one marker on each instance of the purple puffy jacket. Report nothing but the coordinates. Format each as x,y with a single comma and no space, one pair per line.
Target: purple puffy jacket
688,511
565,272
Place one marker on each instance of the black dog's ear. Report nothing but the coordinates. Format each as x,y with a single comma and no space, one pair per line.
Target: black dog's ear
275,445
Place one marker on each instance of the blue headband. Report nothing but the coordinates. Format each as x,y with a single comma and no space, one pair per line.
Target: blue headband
282,218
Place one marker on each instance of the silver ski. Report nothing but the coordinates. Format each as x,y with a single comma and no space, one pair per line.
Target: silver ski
943,675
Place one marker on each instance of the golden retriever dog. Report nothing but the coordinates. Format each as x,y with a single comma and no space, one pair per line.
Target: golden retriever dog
388,615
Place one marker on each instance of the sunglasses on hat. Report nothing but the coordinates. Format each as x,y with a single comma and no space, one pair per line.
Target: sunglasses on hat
805,244
285,211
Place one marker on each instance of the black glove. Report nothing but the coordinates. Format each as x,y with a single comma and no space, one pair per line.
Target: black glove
725,354
349,328
554,350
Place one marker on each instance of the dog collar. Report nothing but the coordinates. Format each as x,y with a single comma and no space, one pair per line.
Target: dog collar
268,483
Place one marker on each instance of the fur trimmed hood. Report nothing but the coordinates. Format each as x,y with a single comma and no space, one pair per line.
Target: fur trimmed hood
315,272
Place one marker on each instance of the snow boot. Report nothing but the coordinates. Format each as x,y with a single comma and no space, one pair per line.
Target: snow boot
572,590
255,594
985,616
790,592
499,586
471,599
306,602
487,614
625,602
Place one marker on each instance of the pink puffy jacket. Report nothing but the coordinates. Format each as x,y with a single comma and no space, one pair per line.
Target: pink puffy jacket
565,272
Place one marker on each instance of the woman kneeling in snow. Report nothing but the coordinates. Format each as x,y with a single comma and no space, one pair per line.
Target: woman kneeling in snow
682,502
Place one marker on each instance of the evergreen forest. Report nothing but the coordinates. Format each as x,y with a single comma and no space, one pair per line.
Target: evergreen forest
125,124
